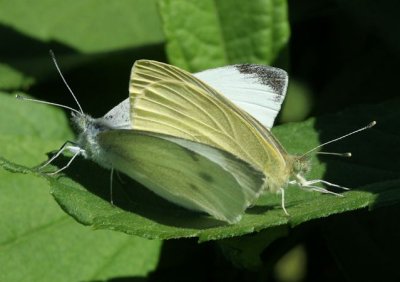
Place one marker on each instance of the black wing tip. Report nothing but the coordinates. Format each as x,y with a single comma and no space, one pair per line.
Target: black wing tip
260,70
275,78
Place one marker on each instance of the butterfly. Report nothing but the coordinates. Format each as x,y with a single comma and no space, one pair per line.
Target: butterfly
201,141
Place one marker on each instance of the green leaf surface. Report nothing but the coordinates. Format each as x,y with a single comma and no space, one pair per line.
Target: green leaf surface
38,241
86,25
91,26
210,33
83,191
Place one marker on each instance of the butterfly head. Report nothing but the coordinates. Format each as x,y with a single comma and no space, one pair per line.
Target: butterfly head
87,129
301,165
86,125
80,122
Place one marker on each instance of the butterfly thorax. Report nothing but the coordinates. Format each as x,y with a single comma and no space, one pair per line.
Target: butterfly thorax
87,129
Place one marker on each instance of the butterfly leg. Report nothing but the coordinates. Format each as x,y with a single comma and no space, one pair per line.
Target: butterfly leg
319,189
283,201
59,152
311,182
111,186
77,152
120,178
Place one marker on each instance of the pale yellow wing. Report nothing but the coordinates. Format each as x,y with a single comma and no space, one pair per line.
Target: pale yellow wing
184,110
146,72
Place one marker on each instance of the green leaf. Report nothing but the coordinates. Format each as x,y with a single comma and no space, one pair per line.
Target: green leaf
38,241
210,33
83,191
69,27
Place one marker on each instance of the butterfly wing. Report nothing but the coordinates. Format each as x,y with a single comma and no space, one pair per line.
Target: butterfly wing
183,110
119,116
190,174
146,72
257,89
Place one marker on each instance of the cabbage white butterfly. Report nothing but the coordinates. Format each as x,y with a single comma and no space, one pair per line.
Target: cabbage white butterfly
167,100
183,139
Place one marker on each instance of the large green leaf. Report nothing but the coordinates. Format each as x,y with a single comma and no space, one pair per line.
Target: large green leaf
38,241
83,191
211,33
28,31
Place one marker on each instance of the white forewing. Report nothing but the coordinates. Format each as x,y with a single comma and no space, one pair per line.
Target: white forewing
259,90
119,116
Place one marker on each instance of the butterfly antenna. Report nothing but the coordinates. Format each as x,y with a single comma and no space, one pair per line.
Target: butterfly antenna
345,155
53,57
48,103
339,138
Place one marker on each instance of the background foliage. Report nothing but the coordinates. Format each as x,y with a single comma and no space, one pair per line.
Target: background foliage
341,57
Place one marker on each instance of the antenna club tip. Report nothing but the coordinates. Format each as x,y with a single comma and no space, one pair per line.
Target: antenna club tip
18,96
373,123
348,154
